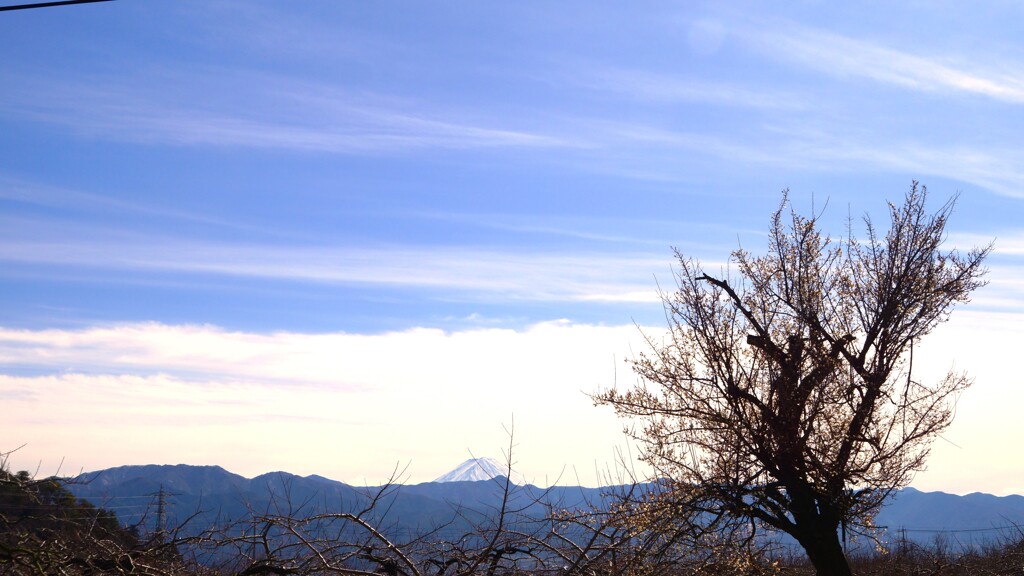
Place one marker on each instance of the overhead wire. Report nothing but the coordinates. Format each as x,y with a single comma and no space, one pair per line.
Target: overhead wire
48,4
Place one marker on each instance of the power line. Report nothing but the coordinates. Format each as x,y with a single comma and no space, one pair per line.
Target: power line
48,4
959,530
94,499
58,508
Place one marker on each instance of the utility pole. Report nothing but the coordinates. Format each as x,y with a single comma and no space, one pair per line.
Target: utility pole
252,543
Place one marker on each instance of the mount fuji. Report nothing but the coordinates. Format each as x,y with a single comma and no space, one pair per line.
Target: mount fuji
476,469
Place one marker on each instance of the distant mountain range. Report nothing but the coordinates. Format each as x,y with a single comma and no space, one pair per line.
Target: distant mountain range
212,497
466,496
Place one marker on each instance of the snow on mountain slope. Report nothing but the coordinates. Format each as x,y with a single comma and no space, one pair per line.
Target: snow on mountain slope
476,469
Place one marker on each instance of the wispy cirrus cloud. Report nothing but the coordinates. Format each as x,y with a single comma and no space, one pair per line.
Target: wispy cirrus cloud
274,113
835,147
674,88
79,201
463,273
647,152
840,55
503,274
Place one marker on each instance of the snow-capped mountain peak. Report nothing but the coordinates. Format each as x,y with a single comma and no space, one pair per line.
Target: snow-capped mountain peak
476,469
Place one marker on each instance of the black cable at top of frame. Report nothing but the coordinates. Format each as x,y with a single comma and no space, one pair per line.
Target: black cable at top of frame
48,4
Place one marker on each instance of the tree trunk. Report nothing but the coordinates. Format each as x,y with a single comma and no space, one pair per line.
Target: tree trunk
825,552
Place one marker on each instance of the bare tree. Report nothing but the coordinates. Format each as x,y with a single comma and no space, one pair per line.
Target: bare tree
785,397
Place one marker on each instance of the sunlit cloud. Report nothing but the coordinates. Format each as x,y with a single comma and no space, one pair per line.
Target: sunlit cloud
201,394
308,402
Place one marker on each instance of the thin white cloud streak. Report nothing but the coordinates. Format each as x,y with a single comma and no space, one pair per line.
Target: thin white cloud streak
645,152
662,88
1005,285
1001,172
279,33
390,133
502,273
1005,267
66,199
837,149
657,233
1007,243
843,56
304,117
446,271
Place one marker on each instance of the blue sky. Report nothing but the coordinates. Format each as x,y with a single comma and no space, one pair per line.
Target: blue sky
325,237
